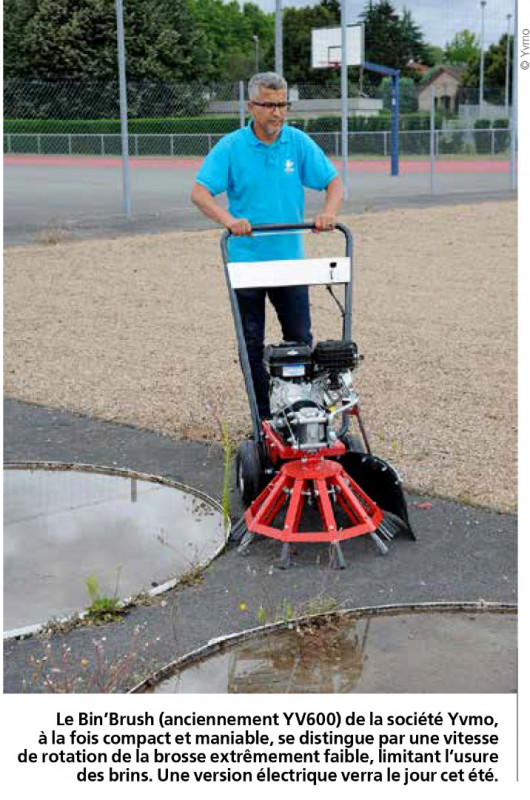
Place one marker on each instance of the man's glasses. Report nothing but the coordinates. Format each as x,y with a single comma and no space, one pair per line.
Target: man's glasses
272,106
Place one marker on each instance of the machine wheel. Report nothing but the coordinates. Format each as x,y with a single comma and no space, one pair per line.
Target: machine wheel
249,470
354,443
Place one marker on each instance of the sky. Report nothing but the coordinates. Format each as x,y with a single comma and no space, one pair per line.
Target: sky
438,19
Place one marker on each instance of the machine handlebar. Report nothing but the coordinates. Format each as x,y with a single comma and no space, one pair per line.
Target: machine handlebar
277,228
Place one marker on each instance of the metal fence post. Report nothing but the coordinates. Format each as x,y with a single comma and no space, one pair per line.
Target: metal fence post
394,170
69,144
337,149
492,141
209,137
9,143
433,139
102,144
171,145
385,143
136,144
514,114
123,111
39,150
344,101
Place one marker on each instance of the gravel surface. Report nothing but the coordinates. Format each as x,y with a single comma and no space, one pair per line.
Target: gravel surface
138,330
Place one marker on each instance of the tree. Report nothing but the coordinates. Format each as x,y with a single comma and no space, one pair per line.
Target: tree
435,56
297,26
463,49
495,63
17,13
408,95
414,45
229,32
494,68
391,41
76,39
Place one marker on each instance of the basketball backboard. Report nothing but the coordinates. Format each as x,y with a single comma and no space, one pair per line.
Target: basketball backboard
326,46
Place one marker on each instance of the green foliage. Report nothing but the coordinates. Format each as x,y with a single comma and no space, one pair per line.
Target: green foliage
297,26
285,611
102,608
463,48
482,136
502,138
214,125
281,612
419,120
494,69
228,452
67,100
77,39
228,30
451,142
413,43
495,64
184,41
392,41
435,54
408,94
98,126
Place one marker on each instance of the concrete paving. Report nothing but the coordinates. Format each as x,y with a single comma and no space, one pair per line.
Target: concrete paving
462,554
75,201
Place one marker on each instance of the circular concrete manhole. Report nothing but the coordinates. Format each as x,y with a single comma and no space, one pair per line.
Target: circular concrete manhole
424,648
124,532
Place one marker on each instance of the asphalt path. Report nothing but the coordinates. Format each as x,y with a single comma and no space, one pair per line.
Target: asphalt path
462,554
48,199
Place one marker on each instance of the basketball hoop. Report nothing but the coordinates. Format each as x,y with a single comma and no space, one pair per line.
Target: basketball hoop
326,47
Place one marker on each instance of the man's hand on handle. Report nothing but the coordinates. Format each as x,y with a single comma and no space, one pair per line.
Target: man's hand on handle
239,227
324,222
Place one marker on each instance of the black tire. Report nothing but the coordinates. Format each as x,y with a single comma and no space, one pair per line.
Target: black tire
249,470
354,443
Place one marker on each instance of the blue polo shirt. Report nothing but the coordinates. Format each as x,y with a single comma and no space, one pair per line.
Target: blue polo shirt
265,184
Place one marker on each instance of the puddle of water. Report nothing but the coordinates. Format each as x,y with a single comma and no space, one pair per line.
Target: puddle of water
61,526
402,653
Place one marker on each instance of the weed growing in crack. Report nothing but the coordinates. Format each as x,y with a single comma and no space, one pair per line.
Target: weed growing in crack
62,673
228,452
103,608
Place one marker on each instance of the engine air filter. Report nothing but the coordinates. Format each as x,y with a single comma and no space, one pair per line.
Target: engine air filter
335,355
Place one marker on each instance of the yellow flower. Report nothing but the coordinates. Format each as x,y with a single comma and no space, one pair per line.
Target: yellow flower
242,606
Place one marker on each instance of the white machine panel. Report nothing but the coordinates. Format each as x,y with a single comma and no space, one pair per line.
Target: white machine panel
298,272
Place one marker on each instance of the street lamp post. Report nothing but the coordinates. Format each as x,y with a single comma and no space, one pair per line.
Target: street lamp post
126,181
507,87
481,91
278,40
256,41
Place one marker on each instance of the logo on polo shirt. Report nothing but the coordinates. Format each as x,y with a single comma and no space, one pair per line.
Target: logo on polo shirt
289,166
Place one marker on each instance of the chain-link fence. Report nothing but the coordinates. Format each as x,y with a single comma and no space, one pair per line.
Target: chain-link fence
465,141
183,120
470,139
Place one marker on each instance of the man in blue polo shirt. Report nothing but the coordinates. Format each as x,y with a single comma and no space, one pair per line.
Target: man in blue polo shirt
264,168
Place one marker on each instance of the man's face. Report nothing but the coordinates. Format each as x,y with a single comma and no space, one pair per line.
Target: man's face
268,119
